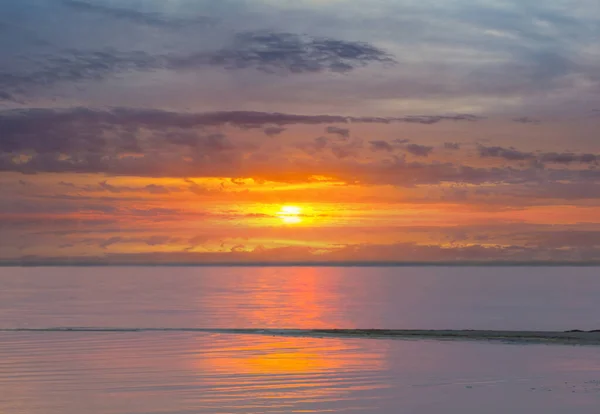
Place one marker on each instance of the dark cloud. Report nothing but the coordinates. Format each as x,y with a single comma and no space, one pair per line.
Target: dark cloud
568,158
66,184
527,120
381,146
340,150
112,189
266,51
342,132
452,146
563,238
76,66
83,129
399,172
136,16
110,241
150,189
510,154
167,144
533,57
137,117
288,52
273,131
418,150
54,131
5,96
529,192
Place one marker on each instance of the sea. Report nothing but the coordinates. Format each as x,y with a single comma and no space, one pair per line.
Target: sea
212,347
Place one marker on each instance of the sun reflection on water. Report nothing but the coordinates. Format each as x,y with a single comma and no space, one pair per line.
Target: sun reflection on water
280,369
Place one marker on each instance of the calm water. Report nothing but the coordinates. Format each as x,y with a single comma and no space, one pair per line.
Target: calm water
167,373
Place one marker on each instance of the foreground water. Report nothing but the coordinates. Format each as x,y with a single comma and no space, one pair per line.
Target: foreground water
183,372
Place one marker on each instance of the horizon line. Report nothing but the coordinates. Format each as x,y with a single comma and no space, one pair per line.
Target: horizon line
466,263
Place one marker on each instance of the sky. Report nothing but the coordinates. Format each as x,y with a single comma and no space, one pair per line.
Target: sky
253,131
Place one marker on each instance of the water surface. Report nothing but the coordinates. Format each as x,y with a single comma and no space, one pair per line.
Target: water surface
188,372
507,298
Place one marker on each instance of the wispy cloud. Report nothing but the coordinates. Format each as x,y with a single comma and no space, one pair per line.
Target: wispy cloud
455,146
136,16
273,131
380,145
264,51
342,132
513,154
527,120
122,122
418,150
275,51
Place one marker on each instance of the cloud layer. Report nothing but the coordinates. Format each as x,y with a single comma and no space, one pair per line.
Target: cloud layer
134,131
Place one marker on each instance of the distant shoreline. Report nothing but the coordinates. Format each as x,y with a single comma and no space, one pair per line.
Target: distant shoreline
572,337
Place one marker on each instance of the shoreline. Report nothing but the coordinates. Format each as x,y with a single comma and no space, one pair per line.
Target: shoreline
571,337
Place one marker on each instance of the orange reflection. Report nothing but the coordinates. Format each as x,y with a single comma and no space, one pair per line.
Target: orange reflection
281,368
295,297
271,355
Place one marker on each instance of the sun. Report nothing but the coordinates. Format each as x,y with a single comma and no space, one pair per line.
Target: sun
290,214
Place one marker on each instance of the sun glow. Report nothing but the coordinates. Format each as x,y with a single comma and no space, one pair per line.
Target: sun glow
290,214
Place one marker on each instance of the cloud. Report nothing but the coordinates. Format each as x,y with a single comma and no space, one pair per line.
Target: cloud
109,242
342,152
136,16
150,189
425,119
76,66
569,157
342,132
527,120
152,143
381,146
197,188
452,146
314,146
512,154
273,131
263,50
402,144
538,59
105,186
418,150
5,96
83,129
288,52
19,120
564,238
153,241
351,253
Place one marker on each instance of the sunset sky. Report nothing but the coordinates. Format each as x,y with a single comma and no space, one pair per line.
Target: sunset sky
234,131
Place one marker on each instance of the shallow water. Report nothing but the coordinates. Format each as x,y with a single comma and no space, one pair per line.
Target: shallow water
507,298
183,372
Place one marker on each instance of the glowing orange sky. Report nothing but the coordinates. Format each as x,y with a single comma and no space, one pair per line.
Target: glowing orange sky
471,136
